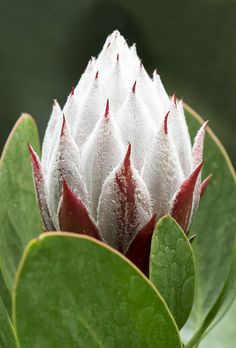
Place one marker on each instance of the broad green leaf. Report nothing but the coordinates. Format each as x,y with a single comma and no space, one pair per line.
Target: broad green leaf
172,268
19,215
73,291
7,334
214,225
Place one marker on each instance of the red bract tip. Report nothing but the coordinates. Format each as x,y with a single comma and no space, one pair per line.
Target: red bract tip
39,181
74,216
134,87
165,123
63,125
117,57
34,158
204,184
96,76
175,99
182,204
206,124
127,158
107,110
72,91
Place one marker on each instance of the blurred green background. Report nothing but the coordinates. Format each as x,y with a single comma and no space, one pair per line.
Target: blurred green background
45,45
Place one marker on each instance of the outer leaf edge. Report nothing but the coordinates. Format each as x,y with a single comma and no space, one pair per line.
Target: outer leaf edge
24,116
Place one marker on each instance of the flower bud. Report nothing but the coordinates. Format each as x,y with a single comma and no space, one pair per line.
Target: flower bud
119,156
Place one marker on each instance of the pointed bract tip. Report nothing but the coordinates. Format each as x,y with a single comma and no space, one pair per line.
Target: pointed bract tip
29,148
155,73
63,125
204,184
205,124
117,57
96,76
141,64
109,44
127,157
197,169
182,203
107,110
166,123
34,158
32,153
175,99
72,91
134,87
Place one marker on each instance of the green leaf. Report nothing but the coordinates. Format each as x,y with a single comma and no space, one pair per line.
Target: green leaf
19,214
213,224
4,294
73,291
7,334
223,335
172,268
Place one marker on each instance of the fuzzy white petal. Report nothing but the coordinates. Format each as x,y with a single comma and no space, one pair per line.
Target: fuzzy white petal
136,126
124,206
85,80
51,135
149,95
180,136
65,163
89,111
70,109
165,100
100,154
162,172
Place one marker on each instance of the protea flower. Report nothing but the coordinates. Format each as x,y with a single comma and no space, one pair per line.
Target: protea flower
118,156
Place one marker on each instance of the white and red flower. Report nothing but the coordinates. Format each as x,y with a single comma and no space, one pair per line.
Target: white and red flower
118,156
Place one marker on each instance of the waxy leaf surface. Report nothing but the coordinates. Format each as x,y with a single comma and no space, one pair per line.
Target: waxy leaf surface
19,213
73,291
172,268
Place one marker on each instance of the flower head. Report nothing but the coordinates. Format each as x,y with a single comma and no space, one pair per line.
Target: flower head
118,156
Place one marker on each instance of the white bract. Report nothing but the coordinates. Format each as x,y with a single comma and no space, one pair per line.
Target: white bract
118,153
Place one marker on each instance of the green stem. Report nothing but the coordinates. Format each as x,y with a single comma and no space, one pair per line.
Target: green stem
196,338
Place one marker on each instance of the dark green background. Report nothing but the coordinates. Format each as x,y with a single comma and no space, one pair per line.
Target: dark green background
45,45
